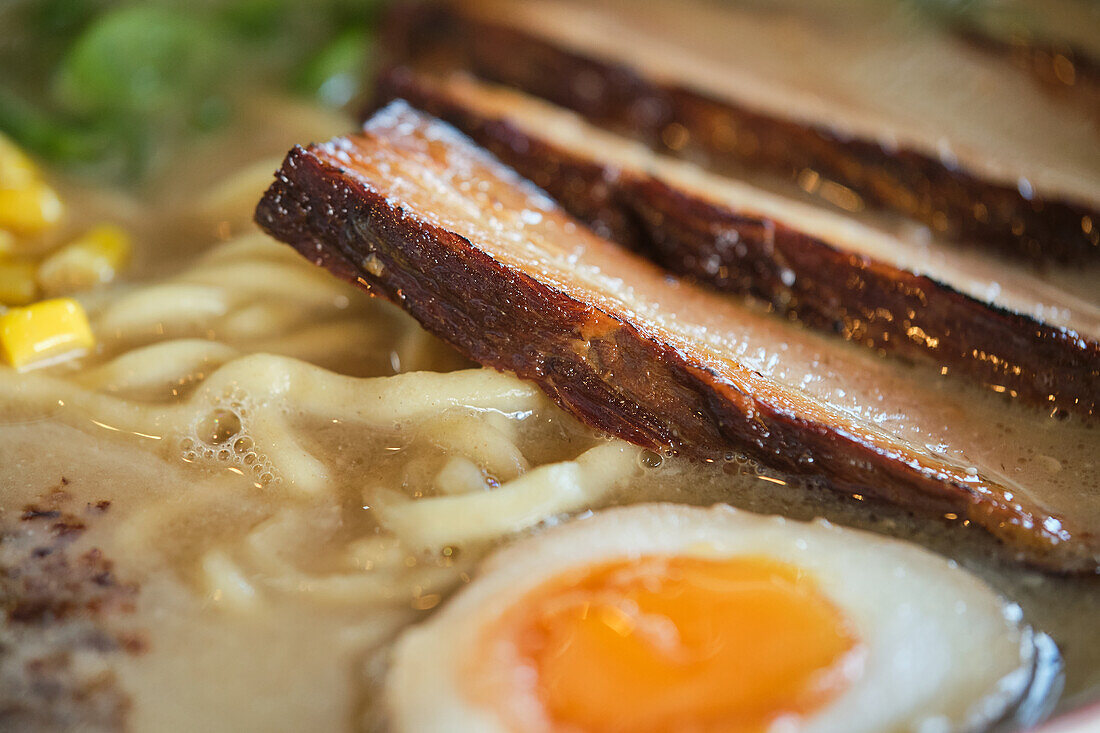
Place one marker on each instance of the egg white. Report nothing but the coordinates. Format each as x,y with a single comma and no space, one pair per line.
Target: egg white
943,651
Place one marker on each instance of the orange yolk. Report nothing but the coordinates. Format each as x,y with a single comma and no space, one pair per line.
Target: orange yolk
677,644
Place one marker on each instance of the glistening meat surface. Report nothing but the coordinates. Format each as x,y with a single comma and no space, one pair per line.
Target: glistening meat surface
988,318
911,119
416,213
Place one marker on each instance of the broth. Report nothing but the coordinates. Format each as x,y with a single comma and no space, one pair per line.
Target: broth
277,450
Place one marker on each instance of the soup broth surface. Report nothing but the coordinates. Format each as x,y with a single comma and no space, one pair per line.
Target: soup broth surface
260,475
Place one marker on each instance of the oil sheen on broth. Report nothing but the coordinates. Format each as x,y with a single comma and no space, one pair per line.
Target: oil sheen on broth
296,472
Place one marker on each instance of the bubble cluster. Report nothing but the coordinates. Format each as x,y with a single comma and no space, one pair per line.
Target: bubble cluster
742,464
220,435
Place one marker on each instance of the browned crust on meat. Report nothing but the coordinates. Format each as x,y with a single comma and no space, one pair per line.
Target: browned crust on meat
602,368
867,301
56,602
679,121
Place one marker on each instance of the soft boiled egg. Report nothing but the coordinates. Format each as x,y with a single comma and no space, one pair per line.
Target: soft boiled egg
664,617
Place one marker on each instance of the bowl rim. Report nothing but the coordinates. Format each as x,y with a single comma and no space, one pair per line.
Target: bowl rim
1085,719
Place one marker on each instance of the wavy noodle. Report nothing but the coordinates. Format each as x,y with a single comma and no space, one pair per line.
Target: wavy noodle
218,366
384,573
542,493
160,309
251,247
316,446
226,583
263,321
157,365
313,342
254,279
479,440
272,385
460,475
240,191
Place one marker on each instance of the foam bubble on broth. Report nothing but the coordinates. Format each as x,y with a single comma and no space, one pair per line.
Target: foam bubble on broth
220,436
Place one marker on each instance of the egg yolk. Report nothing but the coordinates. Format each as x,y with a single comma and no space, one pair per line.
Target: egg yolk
678,644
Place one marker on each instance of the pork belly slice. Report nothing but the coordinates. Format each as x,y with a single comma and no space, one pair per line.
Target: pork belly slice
987,318
901,114
415,212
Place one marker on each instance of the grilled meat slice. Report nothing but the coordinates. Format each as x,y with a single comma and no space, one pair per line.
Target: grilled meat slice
914,299
416,213
904,116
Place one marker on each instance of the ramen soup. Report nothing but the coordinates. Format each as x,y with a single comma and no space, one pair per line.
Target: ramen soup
223,513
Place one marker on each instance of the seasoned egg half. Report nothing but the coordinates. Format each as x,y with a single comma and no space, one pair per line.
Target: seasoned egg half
670,618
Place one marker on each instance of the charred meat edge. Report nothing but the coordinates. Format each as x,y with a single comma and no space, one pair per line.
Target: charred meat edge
600,367
1044,365
676,120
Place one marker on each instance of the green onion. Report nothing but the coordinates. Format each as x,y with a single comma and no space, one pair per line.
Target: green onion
139,60
334,74
114,86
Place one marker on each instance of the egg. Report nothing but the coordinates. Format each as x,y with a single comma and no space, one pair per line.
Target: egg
664,617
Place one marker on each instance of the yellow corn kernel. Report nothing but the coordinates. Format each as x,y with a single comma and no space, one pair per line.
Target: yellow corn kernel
16,169
29,209
91,259
17,285
44,333
7,243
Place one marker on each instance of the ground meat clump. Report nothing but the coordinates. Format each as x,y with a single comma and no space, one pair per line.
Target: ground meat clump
60,606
